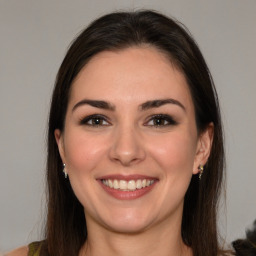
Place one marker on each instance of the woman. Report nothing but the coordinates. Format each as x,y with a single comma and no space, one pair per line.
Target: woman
135,146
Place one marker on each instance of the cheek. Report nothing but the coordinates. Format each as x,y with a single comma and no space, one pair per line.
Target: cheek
174,156
174,153
82,152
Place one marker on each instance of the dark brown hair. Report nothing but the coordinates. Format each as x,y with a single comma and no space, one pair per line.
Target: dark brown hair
66,225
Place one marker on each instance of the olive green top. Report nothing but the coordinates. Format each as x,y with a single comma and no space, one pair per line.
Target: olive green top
34,249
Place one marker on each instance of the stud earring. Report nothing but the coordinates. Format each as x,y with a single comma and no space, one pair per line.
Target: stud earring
201,169
65,171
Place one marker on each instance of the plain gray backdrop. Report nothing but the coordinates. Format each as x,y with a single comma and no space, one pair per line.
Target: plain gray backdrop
34,36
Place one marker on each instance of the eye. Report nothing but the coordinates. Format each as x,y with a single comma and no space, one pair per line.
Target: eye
95,120
160,120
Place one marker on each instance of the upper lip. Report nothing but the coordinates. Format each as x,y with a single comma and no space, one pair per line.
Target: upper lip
126,177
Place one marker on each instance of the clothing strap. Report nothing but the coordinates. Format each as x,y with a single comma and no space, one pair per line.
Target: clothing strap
34,249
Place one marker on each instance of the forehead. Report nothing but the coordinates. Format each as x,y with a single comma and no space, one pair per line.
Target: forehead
130,74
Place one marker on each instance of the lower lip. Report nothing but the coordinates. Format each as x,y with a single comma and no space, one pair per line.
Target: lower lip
127,195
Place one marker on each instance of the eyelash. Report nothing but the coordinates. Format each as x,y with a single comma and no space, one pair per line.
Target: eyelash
165,120
168,121
91,118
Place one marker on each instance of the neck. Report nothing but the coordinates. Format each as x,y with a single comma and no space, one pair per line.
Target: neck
163,239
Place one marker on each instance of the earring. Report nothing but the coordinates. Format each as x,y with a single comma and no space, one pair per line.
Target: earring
201,169
65,170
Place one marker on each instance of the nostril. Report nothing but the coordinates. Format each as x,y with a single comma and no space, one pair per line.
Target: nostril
127,157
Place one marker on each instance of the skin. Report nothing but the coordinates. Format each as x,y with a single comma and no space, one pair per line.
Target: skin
128,141
22,251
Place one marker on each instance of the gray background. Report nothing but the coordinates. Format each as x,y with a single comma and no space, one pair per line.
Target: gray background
34,36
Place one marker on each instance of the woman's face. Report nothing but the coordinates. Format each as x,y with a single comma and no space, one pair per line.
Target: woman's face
130,142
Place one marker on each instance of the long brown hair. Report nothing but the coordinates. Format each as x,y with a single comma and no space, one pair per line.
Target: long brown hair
66,225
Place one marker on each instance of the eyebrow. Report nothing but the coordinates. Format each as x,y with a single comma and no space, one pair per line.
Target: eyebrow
95,103
144,106
158,103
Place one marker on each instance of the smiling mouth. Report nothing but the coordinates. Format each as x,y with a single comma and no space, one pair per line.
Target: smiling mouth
129,185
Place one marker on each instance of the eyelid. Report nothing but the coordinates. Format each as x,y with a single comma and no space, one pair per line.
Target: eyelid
168,118
85,120
164,117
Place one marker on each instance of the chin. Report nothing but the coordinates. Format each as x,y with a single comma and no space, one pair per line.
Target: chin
132,222
129,227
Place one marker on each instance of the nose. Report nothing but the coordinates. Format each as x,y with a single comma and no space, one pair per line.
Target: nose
127,147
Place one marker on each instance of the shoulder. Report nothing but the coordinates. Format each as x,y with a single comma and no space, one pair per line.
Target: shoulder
22,251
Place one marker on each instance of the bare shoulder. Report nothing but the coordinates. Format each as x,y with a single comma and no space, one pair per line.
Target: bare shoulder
22,251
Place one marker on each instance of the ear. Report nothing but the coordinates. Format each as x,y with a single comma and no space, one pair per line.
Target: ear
204,145
60,143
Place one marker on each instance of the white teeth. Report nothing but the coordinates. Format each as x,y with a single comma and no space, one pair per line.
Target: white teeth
123,184
138,184
144,183
130,185
110,183
116,184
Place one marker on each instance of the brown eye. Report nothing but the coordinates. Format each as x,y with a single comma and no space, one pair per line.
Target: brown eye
95,120
161,121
